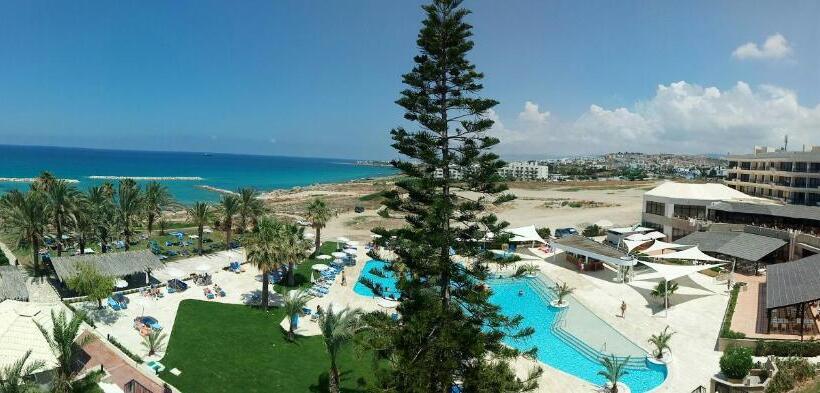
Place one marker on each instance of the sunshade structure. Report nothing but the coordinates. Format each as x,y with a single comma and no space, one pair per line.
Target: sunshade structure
747,246
689,254
320,267
792,285
646,236
19,332
12,284
588,248
669,273
525,234
115,264
324,257
660,246
633,244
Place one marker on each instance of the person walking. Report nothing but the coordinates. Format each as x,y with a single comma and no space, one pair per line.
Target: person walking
344,279
623,308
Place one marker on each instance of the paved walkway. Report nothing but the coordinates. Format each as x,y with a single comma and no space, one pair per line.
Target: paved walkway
119,369
750,312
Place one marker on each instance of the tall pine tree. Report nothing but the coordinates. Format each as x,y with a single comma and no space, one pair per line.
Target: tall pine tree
449,331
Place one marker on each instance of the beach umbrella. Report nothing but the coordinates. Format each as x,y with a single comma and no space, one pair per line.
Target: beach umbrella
320,267
174,272
204,268
338,254
353,243
342,239
207,230
309,235
324,256
350,251
121,284
376,236
193,236
141,301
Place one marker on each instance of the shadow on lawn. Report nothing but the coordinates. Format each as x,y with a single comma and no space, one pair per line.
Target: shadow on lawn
322,384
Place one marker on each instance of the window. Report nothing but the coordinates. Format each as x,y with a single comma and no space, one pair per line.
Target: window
689,211
656,208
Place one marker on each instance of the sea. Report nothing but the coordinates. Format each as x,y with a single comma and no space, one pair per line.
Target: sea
189,176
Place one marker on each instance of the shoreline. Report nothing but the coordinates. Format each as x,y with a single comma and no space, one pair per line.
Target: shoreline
29,180
156,178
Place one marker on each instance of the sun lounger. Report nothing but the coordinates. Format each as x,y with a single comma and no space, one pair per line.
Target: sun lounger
115,305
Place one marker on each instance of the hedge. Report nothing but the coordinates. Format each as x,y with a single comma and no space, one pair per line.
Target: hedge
725,329
124,350
809,348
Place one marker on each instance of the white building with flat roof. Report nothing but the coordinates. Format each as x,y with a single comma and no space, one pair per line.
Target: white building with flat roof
526,170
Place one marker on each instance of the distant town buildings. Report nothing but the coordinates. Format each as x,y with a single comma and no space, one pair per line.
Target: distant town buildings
789,176
526,170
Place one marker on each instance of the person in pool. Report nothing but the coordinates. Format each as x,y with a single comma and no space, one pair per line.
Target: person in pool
520,292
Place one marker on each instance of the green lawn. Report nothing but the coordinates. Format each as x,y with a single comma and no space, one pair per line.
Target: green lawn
235,348
302,274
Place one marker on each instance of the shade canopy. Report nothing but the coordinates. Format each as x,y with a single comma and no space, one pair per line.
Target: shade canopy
646,236
12,284
115,264
350,251
748,246
320,267
792,283
671,272
342,239
659,245
525,234
121,284
309,235
324,257
691,254
587,247
338,254
633,244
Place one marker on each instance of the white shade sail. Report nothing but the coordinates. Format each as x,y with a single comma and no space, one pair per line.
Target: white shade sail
692,254
646,236
671,272
661,245
525,234
633,244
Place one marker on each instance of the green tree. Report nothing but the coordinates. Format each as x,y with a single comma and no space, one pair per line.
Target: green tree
449,331
544,232
61,199
90,282
663,290
661,342
294,302
157,198
613,371
736,362
591,231
251,207
24,218
84,225
100,205
338,329
290,246
259,251
128,207
200,214
154,342
318,214
64,340
229,206
13,377
561,291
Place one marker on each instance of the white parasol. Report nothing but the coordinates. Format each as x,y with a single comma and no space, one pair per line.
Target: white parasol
324,256
338,254
174,272
121,284
342,239
353,243
350,251
319,267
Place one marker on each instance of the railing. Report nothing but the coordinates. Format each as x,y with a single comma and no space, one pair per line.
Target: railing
699,389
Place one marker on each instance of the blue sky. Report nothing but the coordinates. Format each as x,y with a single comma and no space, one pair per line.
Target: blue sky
320,78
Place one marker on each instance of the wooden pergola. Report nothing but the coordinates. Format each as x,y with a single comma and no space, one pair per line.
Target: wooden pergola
793,285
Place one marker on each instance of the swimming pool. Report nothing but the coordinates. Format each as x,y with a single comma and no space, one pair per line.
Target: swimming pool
388,282
571,339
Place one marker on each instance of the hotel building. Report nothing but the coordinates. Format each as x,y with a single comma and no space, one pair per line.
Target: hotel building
791,177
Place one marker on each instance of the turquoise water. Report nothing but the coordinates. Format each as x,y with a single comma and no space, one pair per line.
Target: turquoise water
224,171
388,282
563,353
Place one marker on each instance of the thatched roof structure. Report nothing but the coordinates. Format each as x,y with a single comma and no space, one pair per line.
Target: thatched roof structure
117,264
12,284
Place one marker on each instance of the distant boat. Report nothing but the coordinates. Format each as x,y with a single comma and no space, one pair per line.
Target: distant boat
207,154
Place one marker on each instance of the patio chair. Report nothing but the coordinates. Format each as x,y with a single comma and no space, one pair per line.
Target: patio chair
115,305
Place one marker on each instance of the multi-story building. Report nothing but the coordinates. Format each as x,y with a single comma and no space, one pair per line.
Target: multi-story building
526,170
789,176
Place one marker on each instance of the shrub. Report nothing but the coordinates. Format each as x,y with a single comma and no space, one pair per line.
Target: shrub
3,259
792,371
810,348
591,231
725,329
544,232
125,350
736,362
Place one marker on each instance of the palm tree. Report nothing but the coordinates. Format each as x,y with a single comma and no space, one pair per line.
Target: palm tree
259,252
64,342
25,218
663,290
250,207
12,377
613,371
561,291
338,330
128,205
290,246
229,206
661,342
101,207
156,198
61,199
84,223
200,214
319,213
154,342
44,181
294,302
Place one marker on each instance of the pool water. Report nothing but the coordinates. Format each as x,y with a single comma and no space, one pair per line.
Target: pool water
562,350
388,283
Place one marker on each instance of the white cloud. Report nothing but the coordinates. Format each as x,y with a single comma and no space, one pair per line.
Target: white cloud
681,117
775,47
